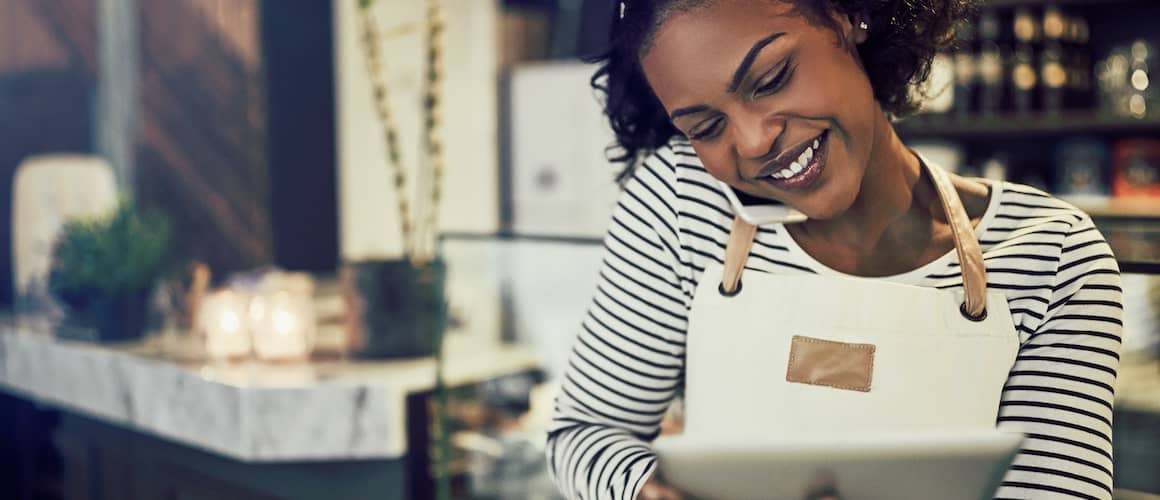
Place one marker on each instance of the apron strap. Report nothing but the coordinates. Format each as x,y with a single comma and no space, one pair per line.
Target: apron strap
966,244
970,254
736,253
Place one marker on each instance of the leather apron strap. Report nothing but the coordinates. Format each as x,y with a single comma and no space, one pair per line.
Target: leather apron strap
970,254
736,253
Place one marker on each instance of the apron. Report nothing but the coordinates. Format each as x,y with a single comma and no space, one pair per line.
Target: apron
789,354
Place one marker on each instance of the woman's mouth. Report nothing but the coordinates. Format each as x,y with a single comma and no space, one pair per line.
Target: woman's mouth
804,170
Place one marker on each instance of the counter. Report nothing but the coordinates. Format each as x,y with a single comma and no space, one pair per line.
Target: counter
351,422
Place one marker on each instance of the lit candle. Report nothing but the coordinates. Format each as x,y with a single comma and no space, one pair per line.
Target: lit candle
282,318
223,322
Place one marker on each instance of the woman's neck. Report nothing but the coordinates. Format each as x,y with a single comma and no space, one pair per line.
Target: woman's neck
891,216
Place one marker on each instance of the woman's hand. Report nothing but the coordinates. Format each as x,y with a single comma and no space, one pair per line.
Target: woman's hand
655,489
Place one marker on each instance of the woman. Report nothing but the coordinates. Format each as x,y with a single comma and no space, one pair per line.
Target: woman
790,100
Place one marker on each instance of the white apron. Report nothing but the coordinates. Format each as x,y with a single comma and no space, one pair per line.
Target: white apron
789,354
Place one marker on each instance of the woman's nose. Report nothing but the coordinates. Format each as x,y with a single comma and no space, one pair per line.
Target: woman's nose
756,136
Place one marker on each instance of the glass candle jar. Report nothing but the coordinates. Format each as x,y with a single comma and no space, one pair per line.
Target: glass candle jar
282,317
222,322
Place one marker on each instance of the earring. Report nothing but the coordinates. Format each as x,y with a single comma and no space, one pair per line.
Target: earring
622,10
864,26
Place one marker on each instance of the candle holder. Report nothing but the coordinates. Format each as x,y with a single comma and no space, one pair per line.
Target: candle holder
282,317
222,321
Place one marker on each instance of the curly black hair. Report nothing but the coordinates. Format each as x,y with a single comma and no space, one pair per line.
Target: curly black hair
905,36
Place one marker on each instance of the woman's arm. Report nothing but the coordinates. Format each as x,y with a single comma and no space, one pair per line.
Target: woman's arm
1061,389
628,359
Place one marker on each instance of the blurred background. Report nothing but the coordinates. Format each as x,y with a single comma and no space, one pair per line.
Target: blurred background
211,289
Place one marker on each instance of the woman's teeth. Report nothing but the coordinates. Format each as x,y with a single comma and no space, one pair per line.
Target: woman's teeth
799,164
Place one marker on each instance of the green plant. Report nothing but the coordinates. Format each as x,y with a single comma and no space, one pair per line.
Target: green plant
122,252
418,229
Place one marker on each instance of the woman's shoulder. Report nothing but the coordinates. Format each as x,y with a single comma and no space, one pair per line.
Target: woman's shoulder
674,192
672,160
674,175
1026,215
1022,202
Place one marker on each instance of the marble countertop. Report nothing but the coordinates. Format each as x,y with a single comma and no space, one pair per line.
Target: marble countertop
251,411
322,410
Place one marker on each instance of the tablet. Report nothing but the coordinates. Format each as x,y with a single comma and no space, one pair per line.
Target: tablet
947,465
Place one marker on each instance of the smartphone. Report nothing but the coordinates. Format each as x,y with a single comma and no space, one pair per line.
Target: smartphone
760,211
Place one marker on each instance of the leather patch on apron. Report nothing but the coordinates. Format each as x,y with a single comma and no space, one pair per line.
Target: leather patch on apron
832,364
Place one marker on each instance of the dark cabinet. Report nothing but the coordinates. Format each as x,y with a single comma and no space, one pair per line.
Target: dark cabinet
101,461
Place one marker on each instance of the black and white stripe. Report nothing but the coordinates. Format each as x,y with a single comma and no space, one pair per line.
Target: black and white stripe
1060,278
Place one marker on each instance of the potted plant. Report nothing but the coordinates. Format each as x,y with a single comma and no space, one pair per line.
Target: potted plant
396,306
103,270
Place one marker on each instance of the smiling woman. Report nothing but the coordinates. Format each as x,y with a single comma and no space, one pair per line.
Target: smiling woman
790,101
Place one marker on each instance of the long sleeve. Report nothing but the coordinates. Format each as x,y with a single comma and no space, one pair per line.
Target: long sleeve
1060,391
627,359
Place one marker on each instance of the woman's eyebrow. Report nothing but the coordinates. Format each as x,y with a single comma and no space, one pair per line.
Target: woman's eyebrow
738,75
688,111
743,68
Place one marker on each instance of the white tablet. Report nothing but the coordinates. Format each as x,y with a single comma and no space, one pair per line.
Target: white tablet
958,465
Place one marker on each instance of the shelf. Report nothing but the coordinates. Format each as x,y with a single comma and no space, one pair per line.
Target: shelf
980,127
1040,3
1139,267
510,236
1132,228
1124,208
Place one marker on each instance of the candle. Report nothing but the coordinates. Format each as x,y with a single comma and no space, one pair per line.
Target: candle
222,320
282,318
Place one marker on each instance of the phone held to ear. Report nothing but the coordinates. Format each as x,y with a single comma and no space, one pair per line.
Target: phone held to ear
760,211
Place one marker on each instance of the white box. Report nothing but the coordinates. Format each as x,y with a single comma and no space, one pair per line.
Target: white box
562,183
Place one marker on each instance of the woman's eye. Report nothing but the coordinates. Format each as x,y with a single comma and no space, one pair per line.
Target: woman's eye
773,84
708,131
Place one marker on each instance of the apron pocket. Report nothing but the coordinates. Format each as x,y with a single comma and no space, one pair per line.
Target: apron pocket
827,363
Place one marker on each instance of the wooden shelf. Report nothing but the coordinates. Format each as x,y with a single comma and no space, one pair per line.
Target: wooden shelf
982,127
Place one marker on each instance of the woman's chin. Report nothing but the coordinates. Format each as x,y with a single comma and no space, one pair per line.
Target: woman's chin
825,207
833,199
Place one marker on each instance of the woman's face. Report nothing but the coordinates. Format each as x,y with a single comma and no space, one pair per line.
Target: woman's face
774,105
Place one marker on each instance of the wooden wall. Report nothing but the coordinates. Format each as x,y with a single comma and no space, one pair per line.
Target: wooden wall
30,39
200,125
201,144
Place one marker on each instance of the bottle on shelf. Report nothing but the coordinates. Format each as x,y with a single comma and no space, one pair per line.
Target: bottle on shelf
1053,71
1136,168
1143,96
965,68
1081,170
1024,74
1077,63
990,64
1127,87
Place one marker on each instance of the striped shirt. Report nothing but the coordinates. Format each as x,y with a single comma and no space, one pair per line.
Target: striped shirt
1059,276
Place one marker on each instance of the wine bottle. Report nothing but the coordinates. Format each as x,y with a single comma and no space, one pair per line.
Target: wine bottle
1053,71
1085,84
965,68
990,64
1024,77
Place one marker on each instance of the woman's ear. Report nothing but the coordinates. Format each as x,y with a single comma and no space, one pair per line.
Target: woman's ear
859,30
854,27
